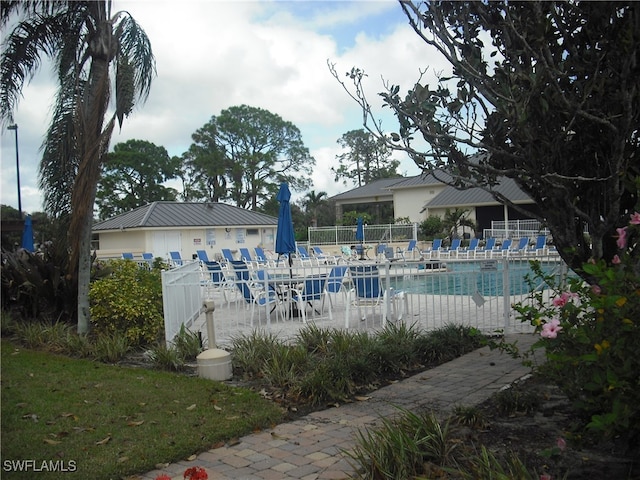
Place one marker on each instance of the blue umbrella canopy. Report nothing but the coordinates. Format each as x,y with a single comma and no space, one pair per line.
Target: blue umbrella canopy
285,239
27,234
360,230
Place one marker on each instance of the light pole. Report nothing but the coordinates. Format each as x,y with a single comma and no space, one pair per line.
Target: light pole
14,127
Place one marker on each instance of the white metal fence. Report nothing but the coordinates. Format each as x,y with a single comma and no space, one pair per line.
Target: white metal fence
424,293
181,298
515,229
346,235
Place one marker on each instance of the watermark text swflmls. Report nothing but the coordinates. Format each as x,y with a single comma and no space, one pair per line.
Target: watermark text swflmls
61,466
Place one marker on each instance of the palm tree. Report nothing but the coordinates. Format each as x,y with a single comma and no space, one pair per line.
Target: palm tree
455,219
312,202
94,53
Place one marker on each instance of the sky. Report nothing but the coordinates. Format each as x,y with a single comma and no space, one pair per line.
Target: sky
212,55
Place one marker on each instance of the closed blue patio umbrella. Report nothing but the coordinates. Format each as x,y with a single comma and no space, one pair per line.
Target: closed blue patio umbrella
285,239
360,236
27,234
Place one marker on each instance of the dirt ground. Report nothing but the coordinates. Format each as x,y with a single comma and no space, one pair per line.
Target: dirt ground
542,437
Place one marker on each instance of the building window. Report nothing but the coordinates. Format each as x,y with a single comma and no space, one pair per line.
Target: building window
95,242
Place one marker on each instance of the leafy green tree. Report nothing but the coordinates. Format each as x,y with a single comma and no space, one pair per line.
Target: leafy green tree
367,159
244,154
133,176
11,237
300,224
95,53
432,227
271,206
546,93
206,166
326,213
351,217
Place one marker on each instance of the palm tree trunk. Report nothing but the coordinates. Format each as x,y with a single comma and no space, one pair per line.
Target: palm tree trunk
94,142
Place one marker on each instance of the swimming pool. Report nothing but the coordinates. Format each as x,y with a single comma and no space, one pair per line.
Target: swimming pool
467,278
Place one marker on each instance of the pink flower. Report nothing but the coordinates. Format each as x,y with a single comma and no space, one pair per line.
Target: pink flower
551,329
616,260
622,237
562,300
545,477
596,289
635,218
164,476
561,443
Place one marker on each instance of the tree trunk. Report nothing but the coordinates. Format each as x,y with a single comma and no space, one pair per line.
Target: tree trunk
93,144
84,277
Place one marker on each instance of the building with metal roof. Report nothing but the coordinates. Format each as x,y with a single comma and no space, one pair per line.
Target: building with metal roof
422,196
162,227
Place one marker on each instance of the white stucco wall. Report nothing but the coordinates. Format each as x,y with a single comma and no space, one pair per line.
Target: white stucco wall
408,202
185,240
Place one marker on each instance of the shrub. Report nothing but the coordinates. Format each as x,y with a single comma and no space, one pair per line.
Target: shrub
328,381
447,343
111,347
36,285
394,350
186,346
314,338
42,335
187,343
515,399
469,416
591,333
329,365
431,227
128,301
404,447
286,365
251,352
8,324
79,346
487,465
166,358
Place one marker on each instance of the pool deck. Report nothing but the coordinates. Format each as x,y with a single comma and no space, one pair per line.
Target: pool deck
426,312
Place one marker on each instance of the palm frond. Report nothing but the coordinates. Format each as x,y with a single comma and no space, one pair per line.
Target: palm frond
22,57
72,50
136,48
60,159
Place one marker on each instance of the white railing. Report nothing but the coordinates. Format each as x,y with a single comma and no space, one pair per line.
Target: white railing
476,292
515,229
373,234
181,298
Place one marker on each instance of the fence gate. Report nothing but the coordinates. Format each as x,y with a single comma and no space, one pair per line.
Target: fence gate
181,298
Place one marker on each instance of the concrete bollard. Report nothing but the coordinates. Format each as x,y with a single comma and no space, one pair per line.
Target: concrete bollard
209,307
214,363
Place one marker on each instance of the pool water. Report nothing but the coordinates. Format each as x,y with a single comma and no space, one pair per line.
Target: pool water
486,278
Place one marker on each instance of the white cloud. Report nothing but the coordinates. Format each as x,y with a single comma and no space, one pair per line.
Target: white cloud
212,55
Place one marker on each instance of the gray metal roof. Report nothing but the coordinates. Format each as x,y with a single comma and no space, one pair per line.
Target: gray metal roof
452,197
177,214
379,188
422,180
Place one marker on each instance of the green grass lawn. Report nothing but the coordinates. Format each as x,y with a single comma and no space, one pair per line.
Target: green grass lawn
99,421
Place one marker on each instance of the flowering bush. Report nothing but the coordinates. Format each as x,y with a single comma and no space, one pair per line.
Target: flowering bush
591,335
